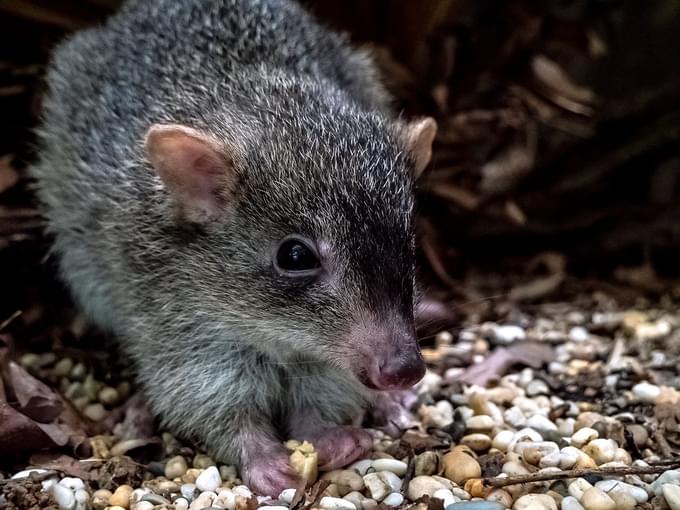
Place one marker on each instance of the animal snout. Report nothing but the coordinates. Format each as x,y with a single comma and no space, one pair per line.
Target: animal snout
398,368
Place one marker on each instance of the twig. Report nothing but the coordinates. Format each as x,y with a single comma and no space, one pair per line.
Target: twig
578,473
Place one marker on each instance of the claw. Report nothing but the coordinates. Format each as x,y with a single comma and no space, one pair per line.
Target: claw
269,474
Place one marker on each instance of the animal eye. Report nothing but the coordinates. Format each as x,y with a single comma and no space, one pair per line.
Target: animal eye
296,257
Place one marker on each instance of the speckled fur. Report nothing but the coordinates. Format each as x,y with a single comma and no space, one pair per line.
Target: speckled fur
225,349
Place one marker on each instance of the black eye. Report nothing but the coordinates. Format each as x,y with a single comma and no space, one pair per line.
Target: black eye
297,257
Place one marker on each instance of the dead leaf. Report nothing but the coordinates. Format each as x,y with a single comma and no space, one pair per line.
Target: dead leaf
496,365
36,400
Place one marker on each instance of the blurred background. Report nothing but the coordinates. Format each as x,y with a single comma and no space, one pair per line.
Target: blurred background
556,168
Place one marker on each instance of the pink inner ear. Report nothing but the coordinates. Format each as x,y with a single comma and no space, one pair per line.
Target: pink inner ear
195,171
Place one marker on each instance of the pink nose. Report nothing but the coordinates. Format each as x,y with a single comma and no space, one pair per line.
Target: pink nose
400,370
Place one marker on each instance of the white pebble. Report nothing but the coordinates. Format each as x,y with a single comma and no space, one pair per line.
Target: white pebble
423,485
584,436
329,503
596,499
601,450
26,472
569,455
508,333
377,486
446,496
514,417
541,424
393,465
82,496
72,483
362,466
287,495
578,334
242,490
578,487
480,423
63,496
209,479
671,494
611,486
535,502
571,503
143,505
181,504
203,501
671,476
646,392
394,499
502,440
226,499
537,387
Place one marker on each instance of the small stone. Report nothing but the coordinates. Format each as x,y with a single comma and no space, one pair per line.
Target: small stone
100,499
460,465
671,494
640,435
63,496
502,440
421,486
78,372
203,501
571,503
578,487
476,505
154,499
613,486
181,504
143,505
361,466
189,491
537,387
439,415
394,499
356,498
596,499
346,480
209,479
515,417
477,442
507,334
287,495
27,472
535,502
541,424
203,461
601,450
623,501
121,496
228,473
481,423
446,496
427,463
30,360
671,476
95,412
72,483
500,496
63,367
376,486
646,392
393,465
583,436
108,395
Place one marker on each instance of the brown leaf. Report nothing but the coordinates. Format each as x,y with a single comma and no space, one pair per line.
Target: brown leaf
65,464
36,400
496,365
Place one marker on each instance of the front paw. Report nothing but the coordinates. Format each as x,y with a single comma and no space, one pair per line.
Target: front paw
339,446
268,474
390,411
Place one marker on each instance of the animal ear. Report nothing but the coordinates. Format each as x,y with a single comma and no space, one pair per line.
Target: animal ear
418,137
196,171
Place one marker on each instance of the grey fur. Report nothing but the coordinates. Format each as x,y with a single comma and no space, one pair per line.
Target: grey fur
224,348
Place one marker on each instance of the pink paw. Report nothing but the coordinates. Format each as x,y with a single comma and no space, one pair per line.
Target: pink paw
339,446
390,411
268,474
